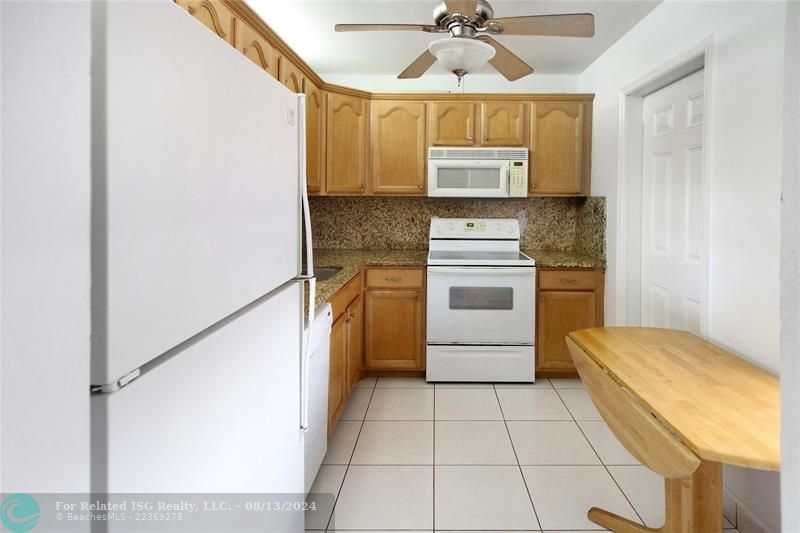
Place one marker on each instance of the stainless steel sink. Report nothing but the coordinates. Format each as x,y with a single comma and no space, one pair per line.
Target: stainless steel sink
326,273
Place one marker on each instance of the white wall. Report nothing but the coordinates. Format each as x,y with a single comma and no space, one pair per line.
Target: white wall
790,280
45,193
745,122
542,83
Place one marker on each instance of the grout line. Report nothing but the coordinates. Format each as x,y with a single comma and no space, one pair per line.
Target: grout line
601,459
514,449
352,453
433,460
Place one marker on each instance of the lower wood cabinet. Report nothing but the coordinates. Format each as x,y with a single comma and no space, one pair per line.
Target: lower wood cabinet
337,377
347,347
394,315
568,300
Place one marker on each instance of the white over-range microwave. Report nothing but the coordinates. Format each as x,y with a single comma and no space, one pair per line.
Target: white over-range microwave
478,172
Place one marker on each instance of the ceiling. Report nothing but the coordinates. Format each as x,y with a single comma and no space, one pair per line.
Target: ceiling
307,26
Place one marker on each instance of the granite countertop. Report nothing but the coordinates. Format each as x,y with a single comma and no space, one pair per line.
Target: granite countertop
352,260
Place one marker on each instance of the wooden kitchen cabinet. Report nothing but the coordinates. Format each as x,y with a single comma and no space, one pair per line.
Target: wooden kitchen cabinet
453,123
394,314
315,137
568,300
355,341
346,150
257,49
503,123
290,75
560,148
215,15
347,347
337,377
399,147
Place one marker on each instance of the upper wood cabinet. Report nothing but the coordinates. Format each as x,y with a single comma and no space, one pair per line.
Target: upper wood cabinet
346,169
215,15
560,147
503,123
315,137
453,123
399,147
256,48
290,75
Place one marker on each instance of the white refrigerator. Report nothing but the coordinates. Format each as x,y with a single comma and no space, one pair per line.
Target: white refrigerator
198,236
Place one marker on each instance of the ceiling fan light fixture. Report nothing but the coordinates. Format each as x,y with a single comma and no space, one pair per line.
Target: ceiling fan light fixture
461,55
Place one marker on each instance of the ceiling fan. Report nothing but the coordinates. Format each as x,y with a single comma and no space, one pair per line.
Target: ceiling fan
471,24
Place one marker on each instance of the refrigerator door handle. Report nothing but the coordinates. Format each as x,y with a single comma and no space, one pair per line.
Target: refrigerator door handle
308,274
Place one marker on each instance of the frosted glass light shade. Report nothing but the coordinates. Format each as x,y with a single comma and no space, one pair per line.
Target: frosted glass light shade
463,55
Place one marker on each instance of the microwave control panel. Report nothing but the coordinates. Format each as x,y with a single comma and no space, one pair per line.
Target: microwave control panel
518,178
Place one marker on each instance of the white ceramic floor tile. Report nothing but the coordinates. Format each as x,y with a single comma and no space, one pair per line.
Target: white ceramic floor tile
384,442
401,404
644,489
532,404
482,497
541,383
356,405
567,383
467,404
463,385
366,383
402,383
461,442
563,495
386,497
326,485
610,450
342,442
551,443
579,404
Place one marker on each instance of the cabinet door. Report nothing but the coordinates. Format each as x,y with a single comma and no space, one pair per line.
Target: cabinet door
315,138
503,123
559,148
214,15
393,322
337,380
559,313
399,153
290,75
453,124
256,48
346,144
355,342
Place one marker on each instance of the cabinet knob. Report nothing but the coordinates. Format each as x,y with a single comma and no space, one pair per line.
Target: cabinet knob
393,279
569,281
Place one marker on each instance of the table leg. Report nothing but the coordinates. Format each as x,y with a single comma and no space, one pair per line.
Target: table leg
692,505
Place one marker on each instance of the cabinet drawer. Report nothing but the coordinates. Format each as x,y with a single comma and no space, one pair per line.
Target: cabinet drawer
385,278
345,295
567,280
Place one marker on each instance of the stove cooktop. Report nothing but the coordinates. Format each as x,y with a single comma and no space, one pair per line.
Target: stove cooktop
478,258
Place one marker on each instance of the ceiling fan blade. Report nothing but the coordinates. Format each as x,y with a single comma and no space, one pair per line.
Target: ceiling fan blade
419,66
387,27
571,25
465,7
506,62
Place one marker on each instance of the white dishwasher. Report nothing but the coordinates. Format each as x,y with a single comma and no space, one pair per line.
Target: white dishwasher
315,442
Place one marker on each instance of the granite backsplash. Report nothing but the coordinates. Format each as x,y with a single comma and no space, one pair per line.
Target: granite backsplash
568,224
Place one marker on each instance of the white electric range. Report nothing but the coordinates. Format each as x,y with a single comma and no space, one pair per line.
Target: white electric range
481,302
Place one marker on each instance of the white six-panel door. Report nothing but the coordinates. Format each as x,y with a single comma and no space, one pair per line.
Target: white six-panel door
673,242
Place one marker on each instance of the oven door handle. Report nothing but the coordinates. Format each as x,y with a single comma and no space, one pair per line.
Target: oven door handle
500,270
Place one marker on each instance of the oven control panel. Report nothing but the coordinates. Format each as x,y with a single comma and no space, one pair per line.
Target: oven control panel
474,228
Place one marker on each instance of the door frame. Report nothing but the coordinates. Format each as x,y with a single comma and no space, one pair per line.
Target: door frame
629,185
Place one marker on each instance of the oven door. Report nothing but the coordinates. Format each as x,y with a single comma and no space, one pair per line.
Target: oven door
483,178
481,305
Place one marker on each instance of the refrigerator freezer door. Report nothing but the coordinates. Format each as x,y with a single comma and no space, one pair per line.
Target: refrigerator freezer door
197,211
221,416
